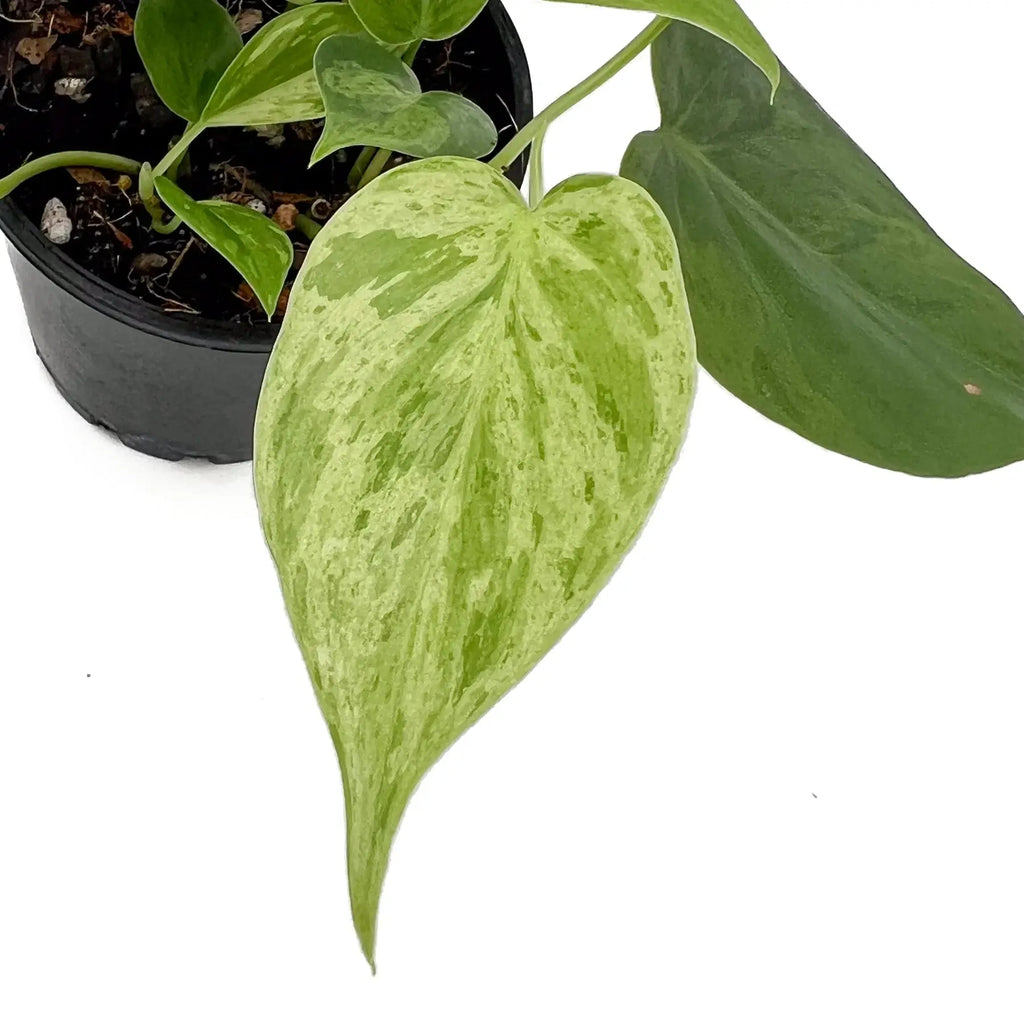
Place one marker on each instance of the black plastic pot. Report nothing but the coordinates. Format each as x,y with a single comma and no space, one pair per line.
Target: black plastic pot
171,387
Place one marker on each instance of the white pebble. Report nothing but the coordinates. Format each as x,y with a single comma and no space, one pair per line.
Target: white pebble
73,88
56,224
258,205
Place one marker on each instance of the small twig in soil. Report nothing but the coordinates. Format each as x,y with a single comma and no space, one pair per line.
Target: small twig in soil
181,256
34,20
175,306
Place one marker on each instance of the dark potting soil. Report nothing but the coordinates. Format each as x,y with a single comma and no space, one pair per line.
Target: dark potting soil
71,78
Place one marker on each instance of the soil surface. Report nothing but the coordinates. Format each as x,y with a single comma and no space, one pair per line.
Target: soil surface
71,78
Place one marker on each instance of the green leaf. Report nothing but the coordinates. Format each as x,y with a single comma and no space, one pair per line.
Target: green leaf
272,79
186,46
467,418
722,18
374,99
254,245
820,295
405,21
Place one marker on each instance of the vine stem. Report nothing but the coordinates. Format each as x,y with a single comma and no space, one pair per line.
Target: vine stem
540,124
308,226
375,167
537,170
71,158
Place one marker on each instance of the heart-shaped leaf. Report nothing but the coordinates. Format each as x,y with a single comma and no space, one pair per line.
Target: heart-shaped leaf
405,21
186,46
372,98
466,420
272,80
820,295
254,245
722,18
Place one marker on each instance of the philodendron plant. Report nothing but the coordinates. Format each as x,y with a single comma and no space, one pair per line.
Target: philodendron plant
475,400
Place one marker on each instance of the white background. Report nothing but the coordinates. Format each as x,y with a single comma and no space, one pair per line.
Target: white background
774,774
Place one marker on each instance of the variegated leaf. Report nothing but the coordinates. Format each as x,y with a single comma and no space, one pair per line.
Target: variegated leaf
722,18
405,21
272,81
253,244
372,98
466,420
186,46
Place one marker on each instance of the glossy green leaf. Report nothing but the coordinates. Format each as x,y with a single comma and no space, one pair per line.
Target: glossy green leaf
722,18
372,98
186,46
405,21
466,420
820,295
253,244
272,79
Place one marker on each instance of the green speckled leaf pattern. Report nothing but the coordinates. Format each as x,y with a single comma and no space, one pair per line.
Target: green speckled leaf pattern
186,46
373,98
405,21
253,244
722,18
820,295
466,421
272,80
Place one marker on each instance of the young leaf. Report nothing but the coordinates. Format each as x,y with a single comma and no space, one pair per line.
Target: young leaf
820,295
186,46
272,81
722,18
466,420
405,21
254,245
372,98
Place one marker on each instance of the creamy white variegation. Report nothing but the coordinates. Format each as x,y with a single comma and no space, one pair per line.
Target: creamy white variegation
466,421
253,244
404,21
372,98
272,81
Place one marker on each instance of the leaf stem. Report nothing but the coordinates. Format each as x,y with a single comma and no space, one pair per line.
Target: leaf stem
540,124
174,155
376,167
151,201
71,158
357,176
359,167
179,161
308,226
537,169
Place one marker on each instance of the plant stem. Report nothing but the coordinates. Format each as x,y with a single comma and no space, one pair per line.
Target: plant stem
537,170
151,201
359,167
363,161
308,226
377,165
547,117
72,158
179,161
179,149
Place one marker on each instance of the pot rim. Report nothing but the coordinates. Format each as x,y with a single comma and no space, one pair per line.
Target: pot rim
203,332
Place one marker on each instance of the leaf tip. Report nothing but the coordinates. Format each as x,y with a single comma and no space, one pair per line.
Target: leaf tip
364,895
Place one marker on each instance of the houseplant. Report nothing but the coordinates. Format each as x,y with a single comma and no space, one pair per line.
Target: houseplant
474,401
180,384
489,396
